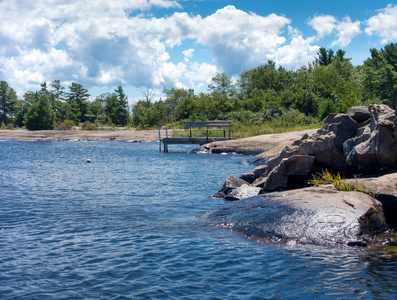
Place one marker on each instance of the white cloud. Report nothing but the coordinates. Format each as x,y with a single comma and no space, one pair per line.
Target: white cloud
188,54
296,54
104,43
384,24
238,39
201,74
346,31
323,24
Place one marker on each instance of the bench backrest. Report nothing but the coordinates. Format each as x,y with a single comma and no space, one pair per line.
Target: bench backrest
223,124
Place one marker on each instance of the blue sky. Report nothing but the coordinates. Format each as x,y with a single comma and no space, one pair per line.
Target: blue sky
143,44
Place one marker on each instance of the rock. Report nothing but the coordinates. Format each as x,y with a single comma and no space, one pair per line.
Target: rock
231,182
376,147
312,216
359,114
327,144
297,165
242,192
250,177
384,188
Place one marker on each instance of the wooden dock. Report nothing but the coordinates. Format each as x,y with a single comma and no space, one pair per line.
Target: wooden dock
198,126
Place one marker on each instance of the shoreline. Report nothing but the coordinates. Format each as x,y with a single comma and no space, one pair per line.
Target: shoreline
261,146
89,135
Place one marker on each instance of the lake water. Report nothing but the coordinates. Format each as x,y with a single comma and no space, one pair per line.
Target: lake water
126,226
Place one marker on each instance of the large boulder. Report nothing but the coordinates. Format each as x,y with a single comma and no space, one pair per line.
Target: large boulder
375,147
359,114
251,176
327,144
297,165
384,189
312,215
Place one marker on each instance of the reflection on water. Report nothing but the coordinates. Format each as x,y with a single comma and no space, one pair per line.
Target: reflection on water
127,226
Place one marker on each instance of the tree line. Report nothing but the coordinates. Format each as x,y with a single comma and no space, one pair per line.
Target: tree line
51,106
263,94
330,84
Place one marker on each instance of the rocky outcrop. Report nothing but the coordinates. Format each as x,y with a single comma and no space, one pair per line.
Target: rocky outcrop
384,189
375,147
360,114
363,140
312,215
342,144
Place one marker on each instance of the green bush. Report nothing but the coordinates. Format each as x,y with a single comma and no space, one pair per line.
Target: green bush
65,125
87,125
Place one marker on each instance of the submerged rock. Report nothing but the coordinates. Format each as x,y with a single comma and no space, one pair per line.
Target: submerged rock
315,215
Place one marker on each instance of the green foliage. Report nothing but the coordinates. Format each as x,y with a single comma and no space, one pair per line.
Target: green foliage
65,125
339,182
8,100
87,125
40,115
380,75
77,102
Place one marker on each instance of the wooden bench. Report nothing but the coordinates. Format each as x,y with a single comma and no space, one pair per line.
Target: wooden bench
206,126
224,125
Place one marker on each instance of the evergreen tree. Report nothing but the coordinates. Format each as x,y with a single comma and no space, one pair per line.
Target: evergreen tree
325,56
8,100
122,114
112,107
380,75
57,100
77,98
40,115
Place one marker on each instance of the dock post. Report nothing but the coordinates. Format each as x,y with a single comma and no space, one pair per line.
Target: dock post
166,135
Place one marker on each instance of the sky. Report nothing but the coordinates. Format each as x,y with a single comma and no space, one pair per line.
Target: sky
152,44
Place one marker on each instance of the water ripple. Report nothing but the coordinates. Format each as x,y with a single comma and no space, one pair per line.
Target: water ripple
126,227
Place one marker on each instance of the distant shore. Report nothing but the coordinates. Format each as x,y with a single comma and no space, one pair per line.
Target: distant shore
90,135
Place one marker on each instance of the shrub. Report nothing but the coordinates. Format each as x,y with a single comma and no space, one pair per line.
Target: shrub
65,125
87,125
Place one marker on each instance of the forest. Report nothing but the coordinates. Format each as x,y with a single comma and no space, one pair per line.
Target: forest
262,99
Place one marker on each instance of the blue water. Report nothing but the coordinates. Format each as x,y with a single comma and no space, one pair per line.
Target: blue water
127,226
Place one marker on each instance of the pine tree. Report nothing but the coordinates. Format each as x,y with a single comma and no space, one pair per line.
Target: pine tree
8,99
122,114
40,115
77,98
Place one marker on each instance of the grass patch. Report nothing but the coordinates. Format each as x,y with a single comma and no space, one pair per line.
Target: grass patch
339,182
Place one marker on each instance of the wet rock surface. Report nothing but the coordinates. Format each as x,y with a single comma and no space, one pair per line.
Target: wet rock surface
312,215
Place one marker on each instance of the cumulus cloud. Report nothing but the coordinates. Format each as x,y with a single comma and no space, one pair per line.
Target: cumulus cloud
345,29
297,53
384,24
238,39
106,43
323,24
103,43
